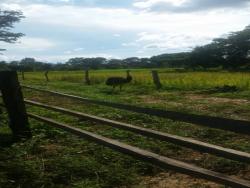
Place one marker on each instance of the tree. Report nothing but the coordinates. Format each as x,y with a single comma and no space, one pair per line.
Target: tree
230,52
3,66
207,56
237,48
79,63
28,64
7,20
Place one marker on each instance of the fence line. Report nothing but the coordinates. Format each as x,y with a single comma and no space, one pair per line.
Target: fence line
238,126
147,156
178,140
13,99
153,158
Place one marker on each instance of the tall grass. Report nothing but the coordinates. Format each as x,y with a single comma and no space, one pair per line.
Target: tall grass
169,79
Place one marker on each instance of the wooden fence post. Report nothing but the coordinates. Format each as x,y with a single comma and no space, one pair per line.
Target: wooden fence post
23,75
13,100
156,79
46,76
87,80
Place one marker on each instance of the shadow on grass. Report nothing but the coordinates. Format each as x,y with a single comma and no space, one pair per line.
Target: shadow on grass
108,91
221,89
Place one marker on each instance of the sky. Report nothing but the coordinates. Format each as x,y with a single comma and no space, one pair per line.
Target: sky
56,30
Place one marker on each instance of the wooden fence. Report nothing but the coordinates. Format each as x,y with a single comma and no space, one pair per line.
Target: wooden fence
155,77
239,126
153,158
13,99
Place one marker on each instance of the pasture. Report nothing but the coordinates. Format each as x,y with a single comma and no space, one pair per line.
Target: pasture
171,79
54,158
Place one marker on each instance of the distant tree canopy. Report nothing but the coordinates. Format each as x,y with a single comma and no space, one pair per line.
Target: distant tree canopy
7,20
29,64
85,63
231,52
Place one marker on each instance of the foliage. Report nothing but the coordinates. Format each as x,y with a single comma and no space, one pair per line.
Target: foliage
3,66
230,52
171,79
7,20
165,60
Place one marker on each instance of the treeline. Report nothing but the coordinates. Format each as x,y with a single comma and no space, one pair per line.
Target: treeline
80,63
230,52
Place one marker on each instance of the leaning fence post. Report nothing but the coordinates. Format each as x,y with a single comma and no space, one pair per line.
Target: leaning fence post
13,100
156,79
87,80
46,75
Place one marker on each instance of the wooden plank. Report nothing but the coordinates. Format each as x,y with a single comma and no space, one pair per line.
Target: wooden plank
13,100
155,159
178,140
238,126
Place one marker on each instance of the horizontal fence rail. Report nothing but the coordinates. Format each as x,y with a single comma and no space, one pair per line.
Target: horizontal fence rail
238,126
178,140
153,158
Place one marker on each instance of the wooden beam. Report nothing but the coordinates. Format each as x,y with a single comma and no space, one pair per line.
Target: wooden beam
46,76
178,140
13,100
238,126
86,77
155,159
156,79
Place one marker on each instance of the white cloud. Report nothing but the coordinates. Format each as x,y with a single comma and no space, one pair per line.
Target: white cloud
189,5
117,35
129,20
56,58
167,42
74,51
31,44
68,52
129,44
78,49
144,31
150,3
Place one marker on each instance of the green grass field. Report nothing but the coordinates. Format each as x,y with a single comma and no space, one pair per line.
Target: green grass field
170,78
54,158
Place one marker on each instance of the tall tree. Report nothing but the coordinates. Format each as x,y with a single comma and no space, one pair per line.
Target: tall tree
237,48
7,20
229,52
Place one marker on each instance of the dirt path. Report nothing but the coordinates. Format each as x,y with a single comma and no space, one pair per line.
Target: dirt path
174,180
218,99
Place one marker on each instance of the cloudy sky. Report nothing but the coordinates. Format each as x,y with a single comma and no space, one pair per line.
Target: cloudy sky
56,30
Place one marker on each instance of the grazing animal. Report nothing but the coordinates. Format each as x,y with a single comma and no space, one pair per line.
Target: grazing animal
119,81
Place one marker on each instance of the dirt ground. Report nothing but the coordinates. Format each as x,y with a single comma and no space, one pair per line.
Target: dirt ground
174,180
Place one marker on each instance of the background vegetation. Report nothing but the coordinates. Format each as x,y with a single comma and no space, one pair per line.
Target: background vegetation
231,53
53,158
